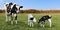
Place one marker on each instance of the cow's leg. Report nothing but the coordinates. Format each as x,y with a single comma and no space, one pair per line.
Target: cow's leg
12,18
29,23
40,23
32,24
11,22
15,15
9,18
6,17
43,23
49,21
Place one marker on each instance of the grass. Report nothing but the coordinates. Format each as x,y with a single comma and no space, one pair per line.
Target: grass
23,25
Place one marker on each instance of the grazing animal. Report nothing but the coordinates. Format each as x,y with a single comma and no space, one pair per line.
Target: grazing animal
31,19
14,10
44,18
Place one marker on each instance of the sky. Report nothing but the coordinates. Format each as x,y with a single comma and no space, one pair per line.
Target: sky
34,4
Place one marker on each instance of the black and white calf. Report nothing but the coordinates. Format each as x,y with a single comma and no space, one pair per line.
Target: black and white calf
31,19
44,18
12,10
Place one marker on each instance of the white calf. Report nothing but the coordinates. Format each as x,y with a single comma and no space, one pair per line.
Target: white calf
31,19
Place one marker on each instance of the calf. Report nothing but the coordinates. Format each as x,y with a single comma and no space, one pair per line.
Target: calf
31,19
44,18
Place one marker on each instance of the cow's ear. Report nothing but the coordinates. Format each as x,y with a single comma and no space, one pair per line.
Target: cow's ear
6,4
10,3
21,6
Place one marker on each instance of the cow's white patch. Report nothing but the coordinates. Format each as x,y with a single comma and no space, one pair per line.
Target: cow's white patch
16,21
34,20
49,21
49,15
14,15
18,11
30,15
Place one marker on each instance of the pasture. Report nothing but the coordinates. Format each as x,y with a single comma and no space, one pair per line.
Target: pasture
23,25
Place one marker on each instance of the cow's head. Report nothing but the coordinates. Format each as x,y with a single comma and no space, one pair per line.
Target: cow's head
11,3
34,20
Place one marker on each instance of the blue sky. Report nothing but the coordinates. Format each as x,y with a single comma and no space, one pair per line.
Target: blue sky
34,4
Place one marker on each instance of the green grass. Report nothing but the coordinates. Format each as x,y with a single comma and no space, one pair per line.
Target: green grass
23,25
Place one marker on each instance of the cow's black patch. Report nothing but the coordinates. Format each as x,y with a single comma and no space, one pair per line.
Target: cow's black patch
31,18
44,18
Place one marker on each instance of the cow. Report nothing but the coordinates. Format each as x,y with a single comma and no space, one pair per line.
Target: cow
44,18
31,19
12,10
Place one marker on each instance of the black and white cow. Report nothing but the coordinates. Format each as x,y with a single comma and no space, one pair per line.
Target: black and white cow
44,18
31,19
12,10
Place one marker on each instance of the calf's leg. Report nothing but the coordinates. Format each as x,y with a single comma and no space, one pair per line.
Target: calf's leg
49,21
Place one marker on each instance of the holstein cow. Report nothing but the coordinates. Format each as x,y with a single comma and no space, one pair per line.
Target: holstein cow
14,9
44,18
31,19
